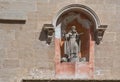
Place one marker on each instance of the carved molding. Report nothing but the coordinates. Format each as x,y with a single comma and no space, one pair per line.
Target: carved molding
100,32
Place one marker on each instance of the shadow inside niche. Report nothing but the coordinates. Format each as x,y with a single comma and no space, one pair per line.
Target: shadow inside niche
7,21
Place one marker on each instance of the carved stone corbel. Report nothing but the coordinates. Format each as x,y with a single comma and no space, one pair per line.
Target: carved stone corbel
99,33
49,32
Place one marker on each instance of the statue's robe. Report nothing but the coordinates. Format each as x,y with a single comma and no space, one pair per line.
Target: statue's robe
71,47
66,48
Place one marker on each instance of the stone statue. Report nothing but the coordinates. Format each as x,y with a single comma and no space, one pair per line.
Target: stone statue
72,45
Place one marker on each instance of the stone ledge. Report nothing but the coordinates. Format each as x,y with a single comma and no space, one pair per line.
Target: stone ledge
37,80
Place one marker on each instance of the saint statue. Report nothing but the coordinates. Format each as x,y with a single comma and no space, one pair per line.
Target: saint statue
72,45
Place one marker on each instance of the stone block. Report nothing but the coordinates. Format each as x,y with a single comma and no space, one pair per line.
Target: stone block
13,15
43,64
111,1
116,61
9,73
38,73
104,54
0,64
104,63
17,11
114,25
3,39
94,2
11,53
26,56
103,74
29,26
8,27
109,37
5,79
25,39
105,50
118,37
116,73
7,34
2,53
11,35
9,63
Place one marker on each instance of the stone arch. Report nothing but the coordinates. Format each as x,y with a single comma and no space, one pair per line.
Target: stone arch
84,8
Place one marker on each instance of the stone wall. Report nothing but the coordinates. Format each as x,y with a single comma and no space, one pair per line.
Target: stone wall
24,56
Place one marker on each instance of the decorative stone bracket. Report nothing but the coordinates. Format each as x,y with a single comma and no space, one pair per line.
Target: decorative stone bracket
49,32
99,33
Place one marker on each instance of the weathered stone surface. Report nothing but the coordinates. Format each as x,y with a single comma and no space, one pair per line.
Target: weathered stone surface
21,51
16,10
0,64
4,79
104,64
8,63
2,53
116,73
105,50
103,74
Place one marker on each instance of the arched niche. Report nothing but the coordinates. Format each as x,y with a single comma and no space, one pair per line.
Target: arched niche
80,8
87,22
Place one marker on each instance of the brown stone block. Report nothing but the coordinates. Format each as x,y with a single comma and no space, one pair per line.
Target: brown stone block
9,63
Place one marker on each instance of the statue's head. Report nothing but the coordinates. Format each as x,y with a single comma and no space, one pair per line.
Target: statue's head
73,28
